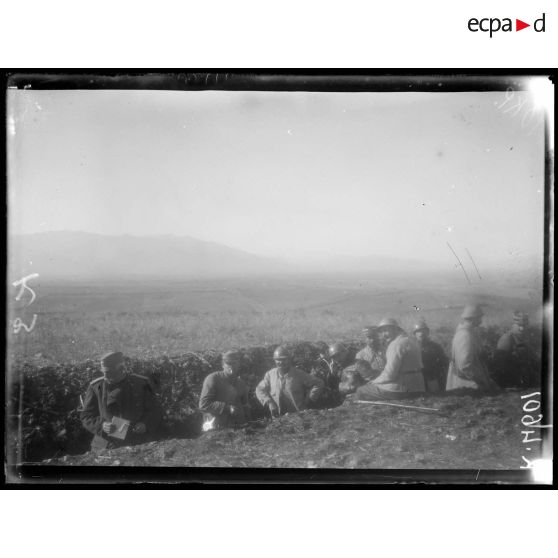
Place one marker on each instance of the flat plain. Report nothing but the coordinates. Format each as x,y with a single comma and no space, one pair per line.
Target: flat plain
78,321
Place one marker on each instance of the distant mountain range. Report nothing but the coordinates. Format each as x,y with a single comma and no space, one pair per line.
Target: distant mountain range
79,255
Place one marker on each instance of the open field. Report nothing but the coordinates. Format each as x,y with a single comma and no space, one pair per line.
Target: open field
80,321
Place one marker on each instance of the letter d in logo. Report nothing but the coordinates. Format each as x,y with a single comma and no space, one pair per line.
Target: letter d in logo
539,24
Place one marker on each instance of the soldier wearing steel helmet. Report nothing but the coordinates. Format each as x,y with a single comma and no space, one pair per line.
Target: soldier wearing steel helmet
514,363
467,367
373,352
285,388
331,371
224,395
128,398
402,374
321,367
434,359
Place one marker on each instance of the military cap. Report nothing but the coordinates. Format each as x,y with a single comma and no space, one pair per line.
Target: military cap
388,322
231,356
472,311
369,330
337,349
420,326
521,318
281,353
111,360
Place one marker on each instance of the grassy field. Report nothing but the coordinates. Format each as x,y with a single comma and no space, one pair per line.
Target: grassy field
80,321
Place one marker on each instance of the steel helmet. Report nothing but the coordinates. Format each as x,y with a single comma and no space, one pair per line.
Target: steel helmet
472,311
388,322
420,326
281,353
337,349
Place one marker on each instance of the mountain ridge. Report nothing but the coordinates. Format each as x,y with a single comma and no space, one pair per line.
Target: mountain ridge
79,254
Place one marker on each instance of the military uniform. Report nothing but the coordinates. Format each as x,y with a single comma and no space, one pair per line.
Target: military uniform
221,390
434,365
131,399
291,391
402,374
514,364
375,357
467,368
330,374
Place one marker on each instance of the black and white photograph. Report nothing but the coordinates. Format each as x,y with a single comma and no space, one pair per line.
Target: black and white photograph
270,272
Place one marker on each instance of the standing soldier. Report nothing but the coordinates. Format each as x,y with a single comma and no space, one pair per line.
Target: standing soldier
402,374
224,396
434,360
514,363
119,408
286,389
467,368
373,353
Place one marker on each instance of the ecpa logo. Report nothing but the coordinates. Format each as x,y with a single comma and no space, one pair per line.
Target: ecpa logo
494,24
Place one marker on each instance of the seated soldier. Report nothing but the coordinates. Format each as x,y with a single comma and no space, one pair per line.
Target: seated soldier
321,366
224,396
434,360
514,363
402,375
467,367
344,376
286,389
119,408
373,352
330,370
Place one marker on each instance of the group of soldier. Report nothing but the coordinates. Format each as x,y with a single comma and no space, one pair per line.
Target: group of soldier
393,365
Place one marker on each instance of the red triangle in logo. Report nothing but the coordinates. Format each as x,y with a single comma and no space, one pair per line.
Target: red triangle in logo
519,25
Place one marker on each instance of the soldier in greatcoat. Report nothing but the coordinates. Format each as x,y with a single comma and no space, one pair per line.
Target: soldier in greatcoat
128,398
467,367
402,375
514,363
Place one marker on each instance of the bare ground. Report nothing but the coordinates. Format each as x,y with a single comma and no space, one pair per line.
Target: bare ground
471,432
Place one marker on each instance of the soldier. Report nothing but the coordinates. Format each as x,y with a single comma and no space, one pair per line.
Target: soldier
467,368
352,376
373,353
119,408
321,366
286,389
224,396
434,360
334,371
514,363
402,374
328,370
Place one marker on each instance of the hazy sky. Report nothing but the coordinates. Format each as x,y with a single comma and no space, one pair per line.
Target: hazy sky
284,174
